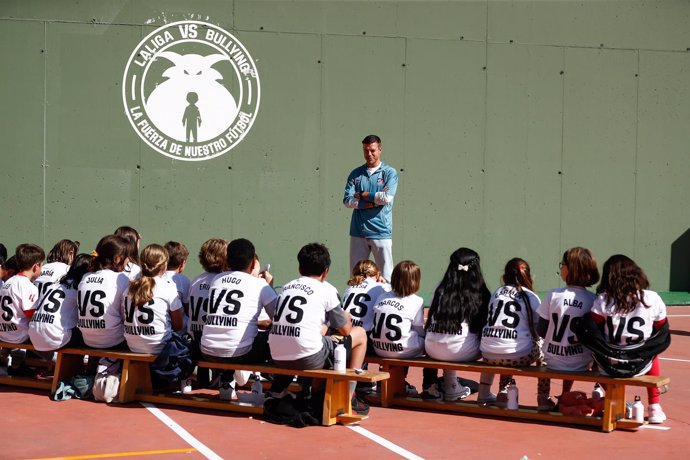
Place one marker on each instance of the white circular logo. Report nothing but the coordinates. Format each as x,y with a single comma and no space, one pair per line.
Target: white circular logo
191,90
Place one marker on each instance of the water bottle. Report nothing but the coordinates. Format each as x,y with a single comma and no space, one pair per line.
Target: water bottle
638,410
512,395
339,357
598,392
257,391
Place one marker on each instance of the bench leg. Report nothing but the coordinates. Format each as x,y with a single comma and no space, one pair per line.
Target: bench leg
614,406
336,401
136,377
393,386
66,367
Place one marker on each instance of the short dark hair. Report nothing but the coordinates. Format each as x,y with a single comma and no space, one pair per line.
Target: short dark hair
313,259
3,254
372,138
178,254
27,255
241,253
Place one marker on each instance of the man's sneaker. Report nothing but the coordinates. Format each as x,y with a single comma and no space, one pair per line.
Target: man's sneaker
545,403
242,377
432,393
411,390
359,406
489,399
656,414
456,392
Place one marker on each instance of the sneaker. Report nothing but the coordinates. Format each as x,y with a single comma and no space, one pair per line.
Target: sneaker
432,393
545,403
359,407
226,391
489,399
655,414
411,390
242,377
456,392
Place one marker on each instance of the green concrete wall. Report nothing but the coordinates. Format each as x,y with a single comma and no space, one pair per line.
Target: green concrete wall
519,128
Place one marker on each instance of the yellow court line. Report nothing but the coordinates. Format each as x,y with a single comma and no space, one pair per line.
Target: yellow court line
187,450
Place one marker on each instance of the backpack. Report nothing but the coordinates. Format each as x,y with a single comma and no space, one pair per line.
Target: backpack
175,362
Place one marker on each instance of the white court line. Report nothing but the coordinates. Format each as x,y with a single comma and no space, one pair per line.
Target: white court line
385,443
652,427
676,359
677,316
181,432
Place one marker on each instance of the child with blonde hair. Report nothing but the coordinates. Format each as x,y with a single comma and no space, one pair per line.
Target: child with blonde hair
365,286
152,307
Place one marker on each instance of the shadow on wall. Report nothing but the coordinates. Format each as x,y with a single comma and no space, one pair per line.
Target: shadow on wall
680,263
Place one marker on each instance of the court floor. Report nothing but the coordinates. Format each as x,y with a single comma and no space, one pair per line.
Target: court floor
35,427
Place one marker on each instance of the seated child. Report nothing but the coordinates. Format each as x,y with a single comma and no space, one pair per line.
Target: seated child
152,306
58,262
177,262
456,318
509,337
306,308
132,269
100,295
562,351
54,325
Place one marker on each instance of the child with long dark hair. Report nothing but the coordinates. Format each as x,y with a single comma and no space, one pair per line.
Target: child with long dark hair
454,324
510,337
629,314
133,238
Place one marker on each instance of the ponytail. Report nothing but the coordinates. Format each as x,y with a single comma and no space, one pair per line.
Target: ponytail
154,259
362,270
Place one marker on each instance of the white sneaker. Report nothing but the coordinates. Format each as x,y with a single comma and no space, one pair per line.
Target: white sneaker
455,392
656,414
242,377
489,399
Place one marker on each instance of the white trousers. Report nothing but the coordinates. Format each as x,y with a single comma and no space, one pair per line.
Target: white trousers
360,248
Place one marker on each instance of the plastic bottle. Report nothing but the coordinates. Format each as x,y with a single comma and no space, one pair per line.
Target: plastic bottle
257,390
638,410
598,392
512,395
339,357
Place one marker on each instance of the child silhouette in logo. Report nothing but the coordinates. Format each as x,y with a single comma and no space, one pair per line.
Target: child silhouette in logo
191,118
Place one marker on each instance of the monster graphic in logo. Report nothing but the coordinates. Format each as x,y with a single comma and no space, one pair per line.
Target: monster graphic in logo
191,90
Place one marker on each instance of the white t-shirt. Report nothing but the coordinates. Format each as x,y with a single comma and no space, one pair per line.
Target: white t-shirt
359,301
149,327
507,332
181,282
132,271
50,274
199,291
456,345
633,327
17,296
52,323
235,303
398,326
100,308
299,317
562,350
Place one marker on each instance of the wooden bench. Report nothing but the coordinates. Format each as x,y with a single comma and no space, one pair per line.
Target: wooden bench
22,381
135,373
337,407
393,392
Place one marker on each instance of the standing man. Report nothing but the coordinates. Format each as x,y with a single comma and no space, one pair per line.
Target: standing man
369,191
